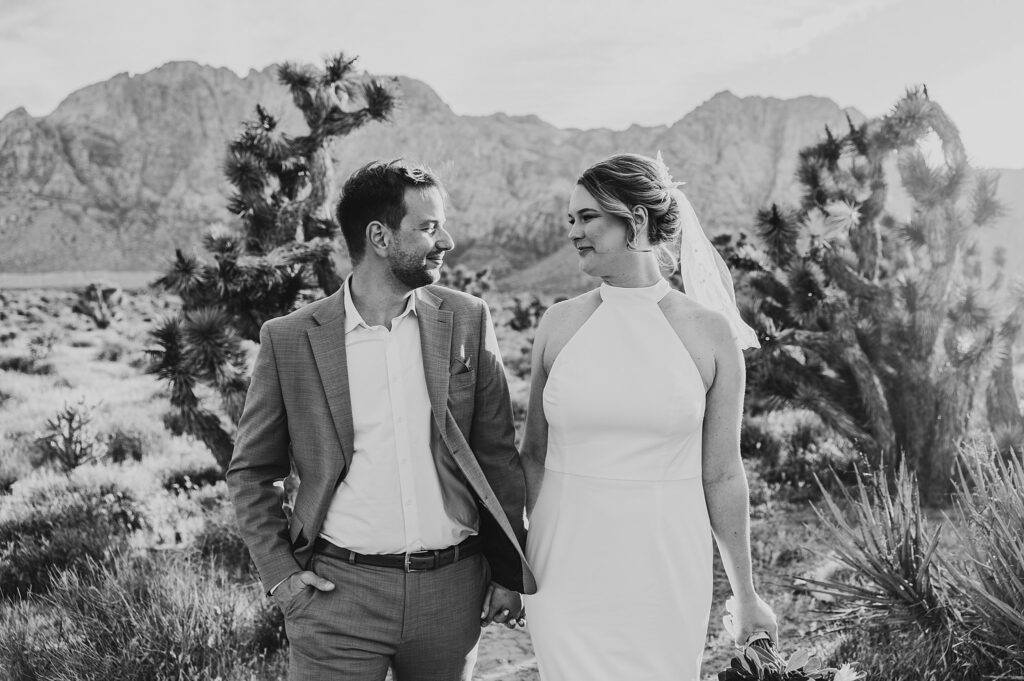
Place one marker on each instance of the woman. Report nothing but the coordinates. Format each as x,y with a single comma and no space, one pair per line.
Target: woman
632,442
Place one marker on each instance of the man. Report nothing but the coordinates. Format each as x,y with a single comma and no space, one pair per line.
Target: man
390,400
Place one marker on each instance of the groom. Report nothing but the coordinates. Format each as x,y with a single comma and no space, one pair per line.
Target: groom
390,401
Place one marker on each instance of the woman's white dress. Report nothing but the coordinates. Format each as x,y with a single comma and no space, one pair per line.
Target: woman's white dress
619,538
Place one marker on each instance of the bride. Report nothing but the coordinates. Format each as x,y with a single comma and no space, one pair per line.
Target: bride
631,447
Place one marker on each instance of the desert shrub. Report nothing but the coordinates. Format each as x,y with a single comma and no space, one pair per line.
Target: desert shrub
219,540
123,445
55,522
41,345
112,351
174,422
793,478
759,442
70,439
4,397
178,506
525,315
193,476
25,365
794,454
12,468
461,278
268,635
914,611
158,617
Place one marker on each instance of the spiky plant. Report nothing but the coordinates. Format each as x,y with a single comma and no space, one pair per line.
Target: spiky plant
880,532
914,607
990,510
280,253
886,327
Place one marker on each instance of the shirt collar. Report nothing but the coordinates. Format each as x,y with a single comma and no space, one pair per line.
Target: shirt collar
354,320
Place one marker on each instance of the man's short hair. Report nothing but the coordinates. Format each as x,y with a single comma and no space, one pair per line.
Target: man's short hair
377,192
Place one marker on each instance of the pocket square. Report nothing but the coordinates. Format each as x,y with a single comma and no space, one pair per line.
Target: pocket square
460,366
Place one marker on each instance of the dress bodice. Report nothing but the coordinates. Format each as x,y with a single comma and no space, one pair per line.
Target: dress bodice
624,399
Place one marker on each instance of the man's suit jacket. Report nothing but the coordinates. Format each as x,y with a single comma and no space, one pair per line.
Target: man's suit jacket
298,409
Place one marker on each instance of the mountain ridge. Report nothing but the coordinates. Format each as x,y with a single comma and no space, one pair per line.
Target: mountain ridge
124,171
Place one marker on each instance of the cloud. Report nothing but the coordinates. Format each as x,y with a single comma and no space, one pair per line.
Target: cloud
580,63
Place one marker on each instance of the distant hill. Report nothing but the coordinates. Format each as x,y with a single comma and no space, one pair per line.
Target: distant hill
124,171
1008,231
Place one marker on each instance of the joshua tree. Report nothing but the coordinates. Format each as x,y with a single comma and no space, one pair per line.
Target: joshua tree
99,302
280,255
885,327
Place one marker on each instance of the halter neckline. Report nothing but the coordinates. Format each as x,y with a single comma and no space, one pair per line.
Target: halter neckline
632,295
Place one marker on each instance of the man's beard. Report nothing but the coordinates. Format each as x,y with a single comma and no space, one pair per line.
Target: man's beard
412,271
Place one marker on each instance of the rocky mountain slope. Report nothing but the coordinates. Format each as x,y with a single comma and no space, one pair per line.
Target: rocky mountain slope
124,171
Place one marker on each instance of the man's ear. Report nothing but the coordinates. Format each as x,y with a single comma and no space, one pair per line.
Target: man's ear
378,236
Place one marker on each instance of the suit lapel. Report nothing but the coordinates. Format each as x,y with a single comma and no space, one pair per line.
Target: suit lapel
435,343
328,343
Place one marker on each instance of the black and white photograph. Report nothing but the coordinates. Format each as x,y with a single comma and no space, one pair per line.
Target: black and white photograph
511,341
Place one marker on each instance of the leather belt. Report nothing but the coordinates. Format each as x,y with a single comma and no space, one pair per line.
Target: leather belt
408,562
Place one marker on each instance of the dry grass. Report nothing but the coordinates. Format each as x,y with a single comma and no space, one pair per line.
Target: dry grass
102,365
129,399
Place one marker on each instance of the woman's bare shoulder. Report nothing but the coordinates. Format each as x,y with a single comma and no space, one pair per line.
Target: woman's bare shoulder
681,309
561,321
568,312
703,332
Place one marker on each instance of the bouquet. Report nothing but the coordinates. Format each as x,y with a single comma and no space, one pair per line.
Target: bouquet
760,661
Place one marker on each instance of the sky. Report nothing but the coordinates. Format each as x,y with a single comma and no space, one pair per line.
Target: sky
583,64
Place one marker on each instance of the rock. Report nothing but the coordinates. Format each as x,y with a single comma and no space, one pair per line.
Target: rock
125,171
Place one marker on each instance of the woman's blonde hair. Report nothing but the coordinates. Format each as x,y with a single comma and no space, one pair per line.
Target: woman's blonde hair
622,182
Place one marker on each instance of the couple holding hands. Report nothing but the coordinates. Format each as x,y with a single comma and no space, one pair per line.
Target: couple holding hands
389,400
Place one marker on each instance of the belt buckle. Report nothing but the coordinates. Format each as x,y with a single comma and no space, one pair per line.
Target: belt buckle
426,562
409,564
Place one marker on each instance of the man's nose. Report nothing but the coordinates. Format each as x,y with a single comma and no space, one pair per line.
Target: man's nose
445,241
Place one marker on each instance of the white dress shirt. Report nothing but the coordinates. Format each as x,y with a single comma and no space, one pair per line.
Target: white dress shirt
390,500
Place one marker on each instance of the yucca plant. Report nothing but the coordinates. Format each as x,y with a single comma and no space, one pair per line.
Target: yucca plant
896,615
990,524
918,609
280,254
880,532
886,326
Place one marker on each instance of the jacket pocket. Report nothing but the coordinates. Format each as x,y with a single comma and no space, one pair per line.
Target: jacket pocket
462,381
